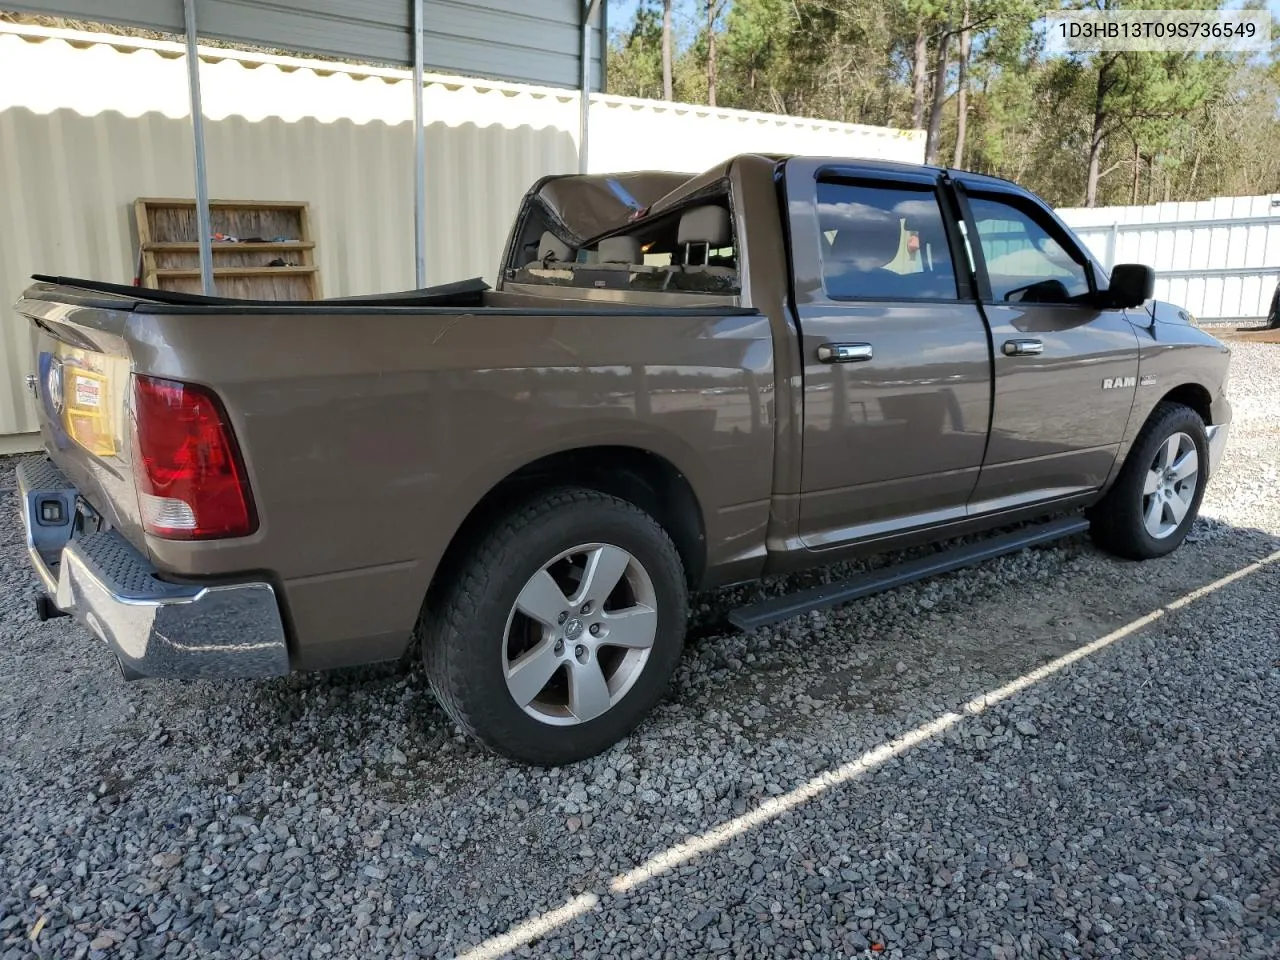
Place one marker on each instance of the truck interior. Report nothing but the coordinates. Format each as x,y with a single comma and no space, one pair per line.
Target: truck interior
689,250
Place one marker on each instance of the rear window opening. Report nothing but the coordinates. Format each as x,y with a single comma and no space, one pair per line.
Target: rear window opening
691,250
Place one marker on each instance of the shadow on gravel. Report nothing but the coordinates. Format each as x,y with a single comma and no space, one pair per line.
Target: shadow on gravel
872,655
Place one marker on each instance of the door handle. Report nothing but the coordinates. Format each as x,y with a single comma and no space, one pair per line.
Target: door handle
844,352
1022,348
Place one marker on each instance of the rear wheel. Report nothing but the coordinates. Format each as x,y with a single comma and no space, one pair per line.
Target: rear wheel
560,630
1149,510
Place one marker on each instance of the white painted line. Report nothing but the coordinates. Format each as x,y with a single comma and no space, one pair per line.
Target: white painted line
531,929
774,807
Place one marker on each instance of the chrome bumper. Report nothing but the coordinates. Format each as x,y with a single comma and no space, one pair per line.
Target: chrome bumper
1217,435
155,628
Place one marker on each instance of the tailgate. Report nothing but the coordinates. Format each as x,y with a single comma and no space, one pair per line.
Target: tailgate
81,367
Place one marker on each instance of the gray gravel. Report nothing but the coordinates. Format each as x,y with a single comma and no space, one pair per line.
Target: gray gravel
1127,805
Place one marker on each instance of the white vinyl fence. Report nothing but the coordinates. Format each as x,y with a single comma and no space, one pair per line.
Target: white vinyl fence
1220,259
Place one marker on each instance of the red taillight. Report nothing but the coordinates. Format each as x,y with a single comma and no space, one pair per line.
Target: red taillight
191,481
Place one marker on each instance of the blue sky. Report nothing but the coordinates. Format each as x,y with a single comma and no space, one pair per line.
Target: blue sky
621,11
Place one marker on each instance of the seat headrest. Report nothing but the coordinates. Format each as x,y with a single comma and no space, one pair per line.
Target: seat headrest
552,248
620,250
866,238
709,225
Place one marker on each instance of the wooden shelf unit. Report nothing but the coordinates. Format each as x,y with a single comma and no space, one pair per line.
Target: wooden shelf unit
169,248
165,272
184,246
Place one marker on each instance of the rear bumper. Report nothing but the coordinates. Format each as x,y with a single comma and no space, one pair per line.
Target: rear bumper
155,628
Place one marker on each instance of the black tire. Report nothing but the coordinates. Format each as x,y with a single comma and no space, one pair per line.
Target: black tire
1117,520
464,623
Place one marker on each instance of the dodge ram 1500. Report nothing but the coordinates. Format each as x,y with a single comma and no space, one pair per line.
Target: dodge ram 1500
677,383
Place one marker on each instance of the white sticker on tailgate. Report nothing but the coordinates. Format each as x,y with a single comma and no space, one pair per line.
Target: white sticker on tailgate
88,392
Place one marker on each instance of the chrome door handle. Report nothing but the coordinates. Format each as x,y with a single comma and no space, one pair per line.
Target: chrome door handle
1022,348
844,352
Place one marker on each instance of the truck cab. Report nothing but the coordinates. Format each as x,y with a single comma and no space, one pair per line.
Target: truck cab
959,354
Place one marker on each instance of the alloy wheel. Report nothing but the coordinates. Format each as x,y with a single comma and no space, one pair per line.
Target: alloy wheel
1169,488
579,634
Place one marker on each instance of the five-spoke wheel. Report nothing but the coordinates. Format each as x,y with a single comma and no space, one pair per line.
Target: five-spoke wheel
561,628
580,634
1170,486
1154,500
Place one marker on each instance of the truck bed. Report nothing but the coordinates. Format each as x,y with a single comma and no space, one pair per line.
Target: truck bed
369,428
473,294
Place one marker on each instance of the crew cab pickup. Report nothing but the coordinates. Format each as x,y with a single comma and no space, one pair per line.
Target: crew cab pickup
677,383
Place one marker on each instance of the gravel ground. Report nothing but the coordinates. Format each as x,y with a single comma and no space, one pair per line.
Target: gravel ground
1125,804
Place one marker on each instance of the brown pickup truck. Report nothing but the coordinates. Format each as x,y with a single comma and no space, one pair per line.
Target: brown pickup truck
678,383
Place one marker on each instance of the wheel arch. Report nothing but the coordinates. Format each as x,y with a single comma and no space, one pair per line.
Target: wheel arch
640,476
1190,394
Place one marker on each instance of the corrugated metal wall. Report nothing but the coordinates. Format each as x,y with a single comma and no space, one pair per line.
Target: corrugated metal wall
85,130
1220,259
511,40
507,39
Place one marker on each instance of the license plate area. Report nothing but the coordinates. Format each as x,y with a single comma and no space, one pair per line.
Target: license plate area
84,395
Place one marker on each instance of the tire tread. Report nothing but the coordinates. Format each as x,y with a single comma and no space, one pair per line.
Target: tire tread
447,651
1115,521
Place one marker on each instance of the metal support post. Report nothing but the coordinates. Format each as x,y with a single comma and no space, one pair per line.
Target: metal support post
203,222
419,153
589,8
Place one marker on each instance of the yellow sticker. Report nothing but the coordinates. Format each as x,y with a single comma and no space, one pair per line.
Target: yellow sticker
87,417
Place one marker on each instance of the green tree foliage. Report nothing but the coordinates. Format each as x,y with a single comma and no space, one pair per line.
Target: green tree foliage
1100,128
635,54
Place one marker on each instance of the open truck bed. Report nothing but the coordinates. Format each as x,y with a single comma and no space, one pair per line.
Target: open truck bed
337,446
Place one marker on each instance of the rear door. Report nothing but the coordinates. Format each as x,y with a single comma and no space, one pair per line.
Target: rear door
896,361
1065,368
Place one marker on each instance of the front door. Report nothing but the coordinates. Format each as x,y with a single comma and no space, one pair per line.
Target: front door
897,369
1065,368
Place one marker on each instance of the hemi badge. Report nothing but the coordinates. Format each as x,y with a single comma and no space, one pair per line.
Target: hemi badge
1147,380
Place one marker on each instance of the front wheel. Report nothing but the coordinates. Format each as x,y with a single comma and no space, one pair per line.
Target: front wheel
561,629
1149,510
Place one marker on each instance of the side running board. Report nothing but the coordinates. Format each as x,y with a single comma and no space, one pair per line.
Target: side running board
789,605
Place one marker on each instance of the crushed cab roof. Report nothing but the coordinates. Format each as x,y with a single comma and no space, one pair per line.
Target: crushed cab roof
581,207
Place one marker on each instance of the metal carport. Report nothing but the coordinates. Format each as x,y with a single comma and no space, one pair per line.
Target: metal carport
553,43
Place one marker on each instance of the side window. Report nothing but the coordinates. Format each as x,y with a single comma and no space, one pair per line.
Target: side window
883,242
1025,264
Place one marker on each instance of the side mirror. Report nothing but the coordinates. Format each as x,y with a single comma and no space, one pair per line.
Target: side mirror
1131,284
